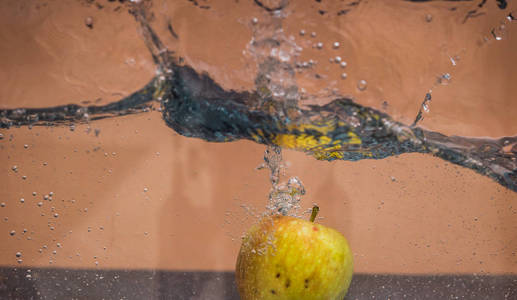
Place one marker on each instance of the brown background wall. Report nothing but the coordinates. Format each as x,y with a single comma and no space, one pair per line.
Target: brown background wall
407,214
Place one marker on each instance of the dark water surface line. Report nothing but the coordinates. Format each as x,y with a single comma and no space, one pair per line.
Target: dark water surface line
52,283
194,105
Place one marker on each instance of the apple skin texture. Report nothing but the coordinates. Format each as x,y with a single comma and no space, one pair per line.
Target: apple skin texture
289,258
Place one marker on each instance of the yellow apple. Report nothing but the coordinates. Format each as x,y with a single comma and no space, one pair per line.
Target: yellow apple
284,257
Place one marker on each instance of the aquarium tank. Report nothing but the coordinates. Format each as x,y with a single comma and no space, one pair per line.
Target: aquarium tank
258,149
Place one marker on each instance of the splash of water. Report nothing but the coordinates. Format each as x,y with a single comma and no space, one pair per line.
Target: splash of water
194,105
284,196
275,55
497,33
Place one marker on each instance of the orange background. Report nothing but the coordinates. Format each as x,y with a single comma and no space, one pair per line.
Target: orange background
408,214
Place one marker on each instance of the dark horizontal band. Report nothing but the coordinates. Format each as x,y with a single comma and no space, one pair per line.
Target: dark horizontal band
47,283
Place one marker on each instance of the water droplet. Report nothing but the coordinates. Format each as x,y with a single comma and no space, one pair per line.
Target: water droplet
284,56
146,189
254,20
58,245
56,215
344,75
88,21
24,177
34,193
343,64
313,34
19,261
428,18
453,61
18,254
51,194
25,146
319,45
2,204
444,79
40,204
337,59
129,61
498,33
362,84
302,32
12,232
15,168
385,105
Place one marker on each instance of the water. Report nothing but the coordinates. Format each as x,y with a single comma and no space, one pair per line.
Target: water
179,196
285,195
196,106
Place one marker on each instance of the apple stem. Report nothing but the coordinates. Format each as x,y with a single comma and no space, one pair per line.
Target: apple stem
315,210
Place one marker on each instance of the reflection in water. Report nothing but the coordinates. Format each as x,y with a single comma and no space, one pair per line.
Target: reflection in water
194,105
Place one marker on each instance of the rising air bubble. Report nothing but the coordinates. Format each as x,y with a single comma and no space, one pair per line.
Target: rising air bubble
362,84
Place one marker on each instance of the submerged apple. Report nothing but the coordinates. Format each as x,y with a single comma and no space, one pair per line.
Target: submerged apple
284,257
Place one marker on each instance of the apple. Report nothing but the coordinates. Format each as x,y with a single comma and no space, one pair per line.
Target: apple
284,257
